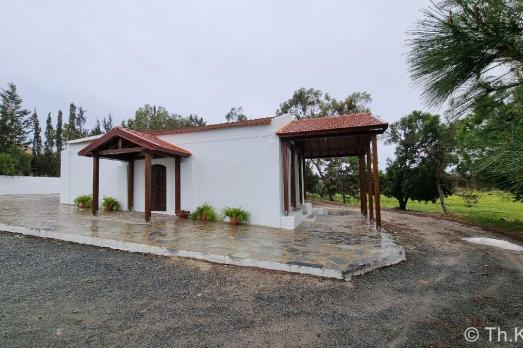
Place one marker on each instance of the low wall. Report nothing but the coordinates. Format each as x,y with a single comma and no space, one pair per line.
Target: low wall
18,185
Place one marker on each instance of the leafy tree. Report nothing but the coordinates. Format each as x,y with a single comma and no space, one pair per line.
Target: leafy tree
235,114
468,46
107,123
312,103
14,120
312,179
58,133
49,135
424,151
149,117
97,130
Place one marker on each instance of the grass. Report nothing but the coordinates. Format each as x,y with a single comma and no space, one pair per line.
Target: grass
494,209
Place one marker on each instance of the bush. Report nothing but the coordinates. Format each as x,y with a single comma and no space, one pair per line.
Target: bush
204,212
83,201
110,203
15,162
239,214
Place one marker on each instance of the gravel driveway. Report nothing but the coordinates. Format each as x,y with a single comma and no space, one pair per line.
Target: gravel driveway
62,294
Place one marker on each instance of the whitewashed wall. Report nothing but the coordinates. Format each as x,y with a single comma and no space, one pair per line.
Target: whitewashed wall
77,176
16,185
237,167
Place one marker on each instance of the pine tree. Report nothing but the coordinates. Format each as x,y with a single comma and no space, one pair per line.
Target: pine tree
49,136
14,120
59,140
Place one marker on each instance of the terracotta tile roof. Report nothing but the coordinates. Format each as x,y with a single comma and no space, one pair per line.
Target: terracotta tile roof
147,141
331,124
248,123
161,144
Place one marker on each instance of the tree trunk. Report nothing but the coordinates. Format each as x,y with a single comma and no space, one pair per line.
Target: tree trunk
403,203
441,197
343,195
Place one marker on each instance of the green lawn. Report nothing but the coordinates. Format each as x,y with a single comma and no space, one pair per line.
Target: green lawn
493,209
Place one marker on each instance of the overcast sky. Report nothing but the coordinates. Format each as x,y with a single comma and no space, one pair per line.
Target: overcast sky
205,56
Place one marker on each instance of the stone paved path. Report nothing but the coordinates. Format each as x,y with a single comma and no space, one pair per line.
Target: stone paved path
337,245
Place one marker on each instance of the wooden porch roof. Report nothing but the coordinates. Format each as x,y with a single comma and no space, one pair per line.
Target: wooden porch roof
332,136
124,144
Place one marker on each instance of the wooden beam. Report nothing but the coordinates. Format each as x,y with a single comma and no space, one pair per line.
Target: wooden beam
300,179
370,184
293,179
376,181
363,184
96,183
130,185
177,185
285,178
121,151
148,197
119,143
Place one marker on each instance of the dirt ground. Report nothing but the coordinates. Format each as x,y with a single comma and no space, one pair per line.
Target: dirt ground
62,294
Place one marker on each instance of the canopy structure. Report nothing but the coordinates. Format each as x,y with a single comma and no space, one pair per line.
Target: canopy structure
335,136
128,145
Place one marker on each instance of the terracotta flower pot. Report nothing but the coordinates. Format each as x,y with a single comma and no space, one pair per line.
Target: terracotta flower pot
203,217
183,214
109,208
234,221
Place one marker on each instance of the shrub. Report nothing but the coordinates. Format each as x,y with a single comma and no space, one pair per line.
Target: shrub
83,201
239,214
15,162
110,203
204,212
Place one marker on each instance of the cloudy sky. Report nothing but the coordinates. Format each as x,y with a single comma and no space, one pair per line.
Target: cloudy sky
205,56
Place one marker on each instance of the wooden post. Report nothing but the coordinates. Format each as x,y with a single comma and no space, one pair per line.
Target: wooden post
130,185
300,179
363,184
376,180
293,180
96,183
147,175
177,185
285,173
304,180
370,185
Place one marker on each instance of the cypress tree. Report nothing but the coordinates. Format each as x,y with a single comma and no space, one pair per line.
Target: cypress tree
59,140
97,130
49,135
71,131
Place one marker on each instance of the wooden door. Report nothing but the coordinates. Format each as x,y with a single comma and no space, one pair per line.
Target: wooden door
158,189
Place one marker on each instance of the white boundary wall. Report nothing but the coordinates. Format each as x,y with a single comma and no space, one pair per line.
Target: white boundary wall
17,185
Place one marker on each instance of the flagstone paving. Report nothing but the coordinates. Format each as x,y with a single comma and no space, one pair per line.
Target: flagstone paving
337,245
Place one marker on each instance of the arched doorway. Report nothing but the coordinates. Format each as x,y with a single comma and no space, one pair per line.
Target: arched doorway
158,188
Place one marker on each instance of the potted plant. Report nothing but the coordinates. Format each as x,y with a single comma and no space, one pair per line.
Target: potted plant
110,204
83,201
204,212
184,214
236,215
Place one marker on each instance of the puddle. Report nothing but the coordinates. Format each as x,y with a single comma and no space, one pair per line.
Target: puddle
498,243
